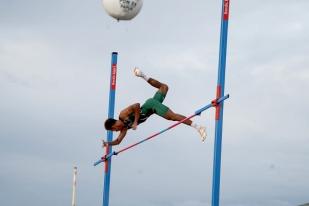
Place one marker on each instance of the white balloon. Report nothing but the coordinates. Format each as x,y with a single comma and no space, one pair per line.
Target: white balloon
122,9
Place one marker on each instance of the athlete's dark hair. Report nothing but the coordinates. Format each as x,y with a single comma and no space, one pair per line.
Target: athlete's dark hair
109,123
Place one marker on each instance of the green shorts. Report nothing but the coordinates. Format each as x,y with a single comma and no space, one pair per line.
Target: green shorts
154,105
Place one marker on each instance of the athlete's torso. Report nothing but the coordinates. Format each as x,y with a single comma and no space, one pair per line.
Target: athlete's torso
128,122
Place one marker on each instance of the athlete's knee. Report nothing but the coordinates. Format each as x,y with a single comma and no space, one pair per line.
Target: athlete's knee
164,88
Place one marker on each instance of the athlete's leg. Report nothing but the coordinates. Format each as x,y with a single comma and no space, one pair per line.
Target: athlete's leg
163,88
170,115
155,104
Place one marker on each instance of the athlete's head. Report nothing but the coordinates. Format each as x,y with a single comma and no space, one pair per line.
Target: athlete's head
113,125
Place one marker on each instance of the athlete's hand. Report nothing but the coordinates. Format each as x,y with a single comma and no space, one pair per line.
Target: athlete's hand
104,144
134,126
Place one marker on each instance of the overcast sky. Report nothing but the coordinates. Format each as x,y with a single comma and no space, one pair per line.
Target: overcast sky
54,84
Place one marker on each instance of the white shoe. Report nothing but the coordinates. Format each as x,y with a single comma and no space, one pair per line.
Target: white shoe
202,131
138,72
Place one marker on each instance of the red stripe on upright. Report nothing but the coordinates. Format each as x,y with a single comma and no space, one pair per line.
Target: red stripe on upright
218,106
226,9
114,73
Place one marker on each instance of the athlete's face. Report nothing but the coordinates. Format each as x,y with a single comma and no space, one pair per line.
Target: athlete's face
117,126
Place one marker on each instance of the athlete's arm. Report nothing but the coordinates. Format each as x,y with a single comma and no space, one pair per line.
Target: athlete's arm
119,138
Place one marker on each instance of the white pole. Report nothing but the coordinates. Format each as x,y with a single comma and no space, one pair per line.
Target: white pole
74,187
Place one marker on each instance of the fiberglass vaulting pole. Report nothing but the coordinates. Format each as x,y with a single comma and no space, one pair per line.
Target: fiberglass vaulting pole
219,108
111,109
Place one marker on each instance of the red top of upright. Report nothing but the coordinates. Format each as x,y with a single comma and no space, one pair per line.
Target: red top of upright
226,9
114,72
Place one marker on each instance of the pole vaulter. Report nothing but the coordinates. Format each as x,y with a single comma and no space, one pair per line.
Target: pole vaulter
214,103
